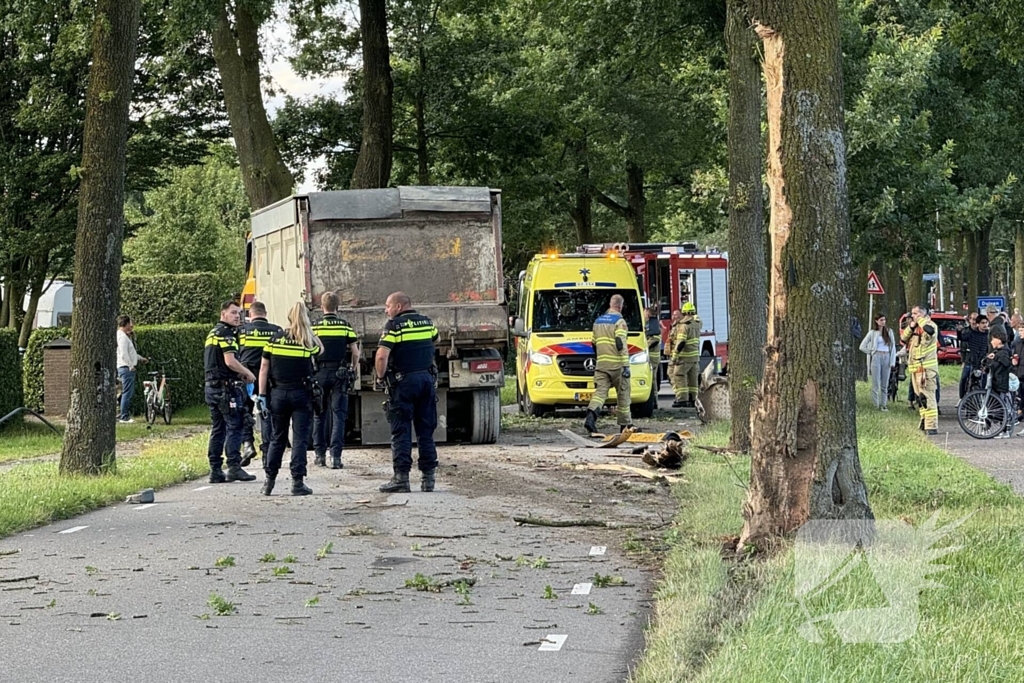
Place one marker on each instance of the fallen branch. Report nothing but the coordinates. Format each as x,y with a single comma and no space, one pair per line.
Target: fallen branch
5,553
539,521
626,469
721,451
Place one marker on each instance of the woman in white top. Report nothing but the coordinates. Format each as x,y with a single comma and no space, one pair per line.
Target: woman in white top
880,347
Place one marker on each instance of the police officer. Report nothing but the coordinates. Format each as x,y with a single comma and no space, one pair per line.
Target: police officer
404,365
286,374
921,337
612,368
685,357
224,396
334,372
255,335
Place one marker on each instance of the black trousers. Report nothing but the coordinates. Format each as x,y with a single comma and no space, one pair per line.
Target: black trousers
289,407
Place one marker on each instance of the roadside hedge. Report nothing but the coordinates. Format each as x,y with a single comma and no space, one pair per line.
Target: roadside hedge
11,396
172,299
156,342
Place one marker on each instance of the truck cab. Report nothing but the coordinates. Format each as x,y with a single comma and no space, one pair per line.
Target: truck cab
560,296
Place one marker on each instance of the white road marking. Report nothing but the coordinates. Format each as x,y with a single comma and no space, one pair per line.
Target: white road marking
582,588
73,529
202,488
143,507
598,549
552,643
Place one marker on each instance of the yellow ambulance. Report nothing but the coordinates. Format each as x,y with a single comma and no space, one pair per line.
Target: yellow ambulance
560,296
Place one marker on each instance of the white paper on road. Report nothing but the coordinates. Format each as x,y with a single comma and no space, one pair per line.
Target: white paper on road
143,507
553,643
73,529
582,588
598,549
202,488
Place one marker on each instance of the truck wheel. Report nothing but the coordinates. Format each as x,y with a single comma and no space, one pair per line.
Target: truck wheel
486,416
646,409
532,409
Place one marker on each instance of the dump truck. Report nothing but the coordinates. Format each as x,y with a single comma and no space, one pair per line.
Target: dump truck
439,245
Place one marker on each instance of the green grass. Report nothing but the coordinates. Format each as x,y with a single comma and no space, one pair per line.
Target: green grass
508,392
34,494
738,621
31,439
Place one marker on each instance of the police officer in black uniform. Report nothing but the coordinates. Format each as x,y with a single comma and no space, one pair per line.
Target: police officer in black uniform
287,375
404,365
225,377
256,333
334,373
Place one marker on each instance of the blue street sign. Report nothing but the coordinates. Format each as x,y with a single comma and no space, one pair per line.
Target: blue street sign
931,277
985,301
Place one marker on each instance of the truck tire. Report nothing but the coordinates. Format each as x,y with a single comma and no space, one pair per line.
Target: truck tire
486,416
646,409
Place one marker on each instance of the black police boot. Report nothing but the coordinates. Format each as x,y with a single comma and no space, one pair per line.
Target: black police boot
268,484
217,476
300,489
236,473
248,453
320,459
590,424
336,462
427,482
399,484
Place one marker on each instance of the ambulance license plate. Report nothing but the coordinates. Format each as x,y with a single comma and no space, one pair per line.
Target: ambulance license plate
584,395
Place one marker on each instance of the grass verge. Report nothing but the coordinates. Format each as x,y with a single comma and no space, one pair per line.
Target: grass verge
34,494
30,439
723,621
508,392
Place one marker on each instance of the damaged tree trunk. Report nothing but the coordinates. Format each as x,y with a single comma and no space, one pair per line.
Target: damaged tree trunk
89,438
748,279
804,461
373,166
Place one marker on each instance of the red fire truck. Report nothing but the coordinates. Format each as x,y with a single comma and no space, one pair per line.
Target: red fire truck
671,274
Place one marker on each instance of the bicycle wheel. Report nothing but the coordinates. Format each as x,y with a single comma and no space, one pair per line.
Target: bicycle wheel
150,411
981,414
167,413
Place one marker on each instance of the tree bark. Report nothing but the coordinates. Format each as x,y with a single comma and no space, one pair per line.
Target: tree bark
915,286
373,167
973,263
1018,267
89,439
36,289
748,275
582,210
636,203
237,53
420,111
984,263
804,462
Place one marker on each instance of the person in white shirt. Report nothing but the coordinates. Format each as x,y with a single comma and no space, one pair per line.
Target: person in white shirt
127,359
880,347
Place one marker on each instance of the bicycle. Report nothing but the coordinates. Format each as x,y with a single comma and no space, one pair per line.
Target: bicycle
981,413
158,400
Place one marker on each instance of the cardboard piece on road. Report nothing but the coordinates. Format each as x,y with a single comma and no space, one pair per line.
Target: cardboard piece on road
874,284
647,474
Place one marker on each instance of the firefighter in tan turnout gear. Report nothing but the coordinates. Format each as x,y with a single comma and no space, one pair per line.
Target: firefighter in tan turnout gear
685,344
612,368
921,337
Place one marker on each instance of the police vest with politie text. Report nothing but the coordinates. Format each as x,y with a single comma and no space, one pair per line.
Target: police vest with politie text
410,336
291,363
253,339
336,335
219,341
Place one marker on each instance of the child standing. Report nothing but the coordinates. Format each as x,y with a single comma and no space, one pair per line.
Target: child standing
1000,358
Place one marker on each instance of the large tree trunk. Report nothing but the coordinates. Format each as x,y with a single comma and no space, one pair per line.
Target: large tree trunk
237,53
89,438
804,461
36,289
972,263
748,276
915,286
984,263
373,167
1018,268
420,111
582,214
636,201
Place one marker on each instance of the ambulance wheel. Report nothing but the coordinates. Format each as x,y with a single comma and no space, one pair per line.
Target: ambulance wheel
532,409
646,409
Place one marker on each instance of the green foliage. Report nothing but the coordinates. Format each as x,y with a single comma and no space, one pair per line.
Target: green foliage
196,222
173,299
184,343
221,606
11,395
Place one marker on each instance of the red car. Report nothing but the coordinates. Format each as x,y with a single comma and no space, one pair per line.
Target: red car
949,324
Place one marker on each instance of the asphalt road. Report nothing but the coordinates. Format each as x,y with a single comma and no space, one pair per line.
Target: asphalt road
124,593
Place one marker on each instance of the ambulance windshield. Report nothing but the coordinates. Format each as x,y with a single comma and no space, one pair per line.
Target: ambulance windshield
574,310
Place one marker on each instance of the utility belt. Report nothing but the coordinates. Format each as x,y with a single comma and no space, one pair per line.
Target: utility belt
292,384
219,383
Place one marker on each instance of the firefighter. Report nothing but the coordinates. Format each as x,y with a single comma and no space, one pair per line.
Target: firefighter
921,337
255,334
335,369
404,367
612,369
286,374
685,357
673,337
